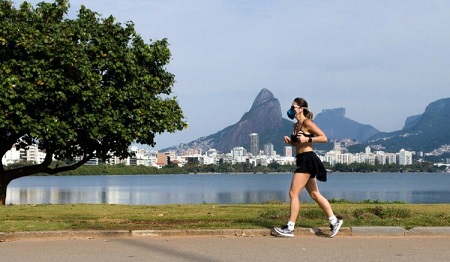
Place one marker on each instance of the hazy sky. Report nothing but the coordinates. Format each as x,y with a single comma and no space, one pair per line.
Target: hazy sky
382,60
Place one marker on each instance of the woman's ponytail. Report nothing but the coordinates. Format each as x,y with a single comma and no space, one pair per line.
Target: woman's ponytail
307,113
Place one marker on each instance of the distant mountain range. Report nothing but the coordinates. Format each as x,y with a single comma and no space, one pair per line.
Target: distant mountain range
336,126
424,132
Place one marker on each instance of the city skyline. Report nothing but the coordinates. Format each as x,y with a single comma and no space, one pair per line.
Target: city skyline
237,155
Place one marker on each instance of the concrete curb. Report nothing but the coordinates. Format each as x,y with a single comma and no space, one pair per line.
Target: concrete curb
428,231
378,231
323,232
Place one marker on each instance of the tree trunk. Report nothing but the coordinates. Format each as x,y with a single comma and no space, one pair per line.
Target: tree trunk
3,187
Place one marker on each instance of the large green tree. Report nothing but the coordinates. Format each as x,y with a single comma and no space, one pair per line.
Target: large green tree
78,88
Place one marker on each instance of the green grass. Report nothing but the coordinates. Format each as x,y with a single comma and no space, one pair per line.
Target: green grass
211,216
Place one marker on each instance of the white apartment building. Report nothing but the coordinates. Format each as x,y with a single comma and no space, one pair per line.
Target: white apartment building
391,158
209,160
345,158
238,152
11,157
380,157
404,157
34,155
212,152
330,158
268,150
239,155
228,158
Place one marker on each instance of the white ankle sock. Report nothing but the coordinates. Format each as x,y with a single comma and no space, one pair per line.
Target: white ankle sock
291,225
333,220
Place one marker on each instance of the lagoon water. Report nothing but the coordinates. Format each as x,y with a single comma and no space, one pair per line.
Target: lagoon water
224,188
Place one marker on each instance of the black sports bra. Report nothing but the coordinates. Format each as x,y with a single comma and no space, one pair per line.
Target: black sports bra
300,132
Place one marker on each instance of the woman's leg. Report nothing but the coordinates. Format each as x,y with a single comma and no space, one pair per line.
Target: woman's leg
313,190
299,180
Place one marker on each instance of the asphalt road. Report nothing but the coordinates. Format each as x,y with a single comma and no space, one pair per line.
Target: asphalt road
228,248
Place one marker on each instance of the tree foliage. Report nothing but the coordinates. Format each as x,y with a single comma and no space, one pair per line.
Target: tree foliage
79,88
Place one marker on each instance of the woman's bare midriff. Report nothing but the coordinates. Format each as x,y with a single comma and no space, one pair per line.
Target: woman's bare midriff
304,149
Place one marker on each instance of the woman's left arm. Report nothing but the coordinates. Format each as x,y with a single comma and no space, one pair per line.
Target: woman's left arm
319,135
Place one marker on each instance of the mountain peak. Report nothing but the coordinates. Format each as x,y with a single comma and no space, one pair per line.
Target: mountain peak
264,118
335,112
264,96
438,106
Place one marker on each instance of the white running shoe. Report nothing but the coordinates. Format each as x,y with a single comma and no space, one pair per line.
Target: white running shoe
335,228
284,231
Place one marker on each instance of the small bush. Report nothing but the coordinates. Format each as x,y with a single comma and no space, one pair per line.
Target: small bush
382,212
378,211
363,214
274,214
391,212
312,213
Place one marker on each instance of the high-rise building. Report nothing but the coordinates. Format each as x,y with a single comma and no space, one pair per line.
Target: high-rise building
405,157
288,151
368,151
337,147
268,149
254,144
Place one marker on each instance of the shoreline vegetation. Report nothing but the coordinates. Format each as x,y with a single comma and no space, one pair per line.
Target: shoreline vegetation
48,217
190,168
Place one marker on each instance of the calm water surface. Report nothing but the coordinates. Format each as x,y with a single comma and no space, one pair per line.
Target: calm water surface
224,188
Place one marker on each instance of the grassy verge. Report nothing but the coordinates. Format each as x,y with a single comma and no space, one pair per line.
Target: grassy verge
211,216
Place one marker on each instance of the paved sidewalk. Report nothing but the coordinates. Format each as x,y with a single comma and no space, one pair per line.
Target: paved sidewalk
228,248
